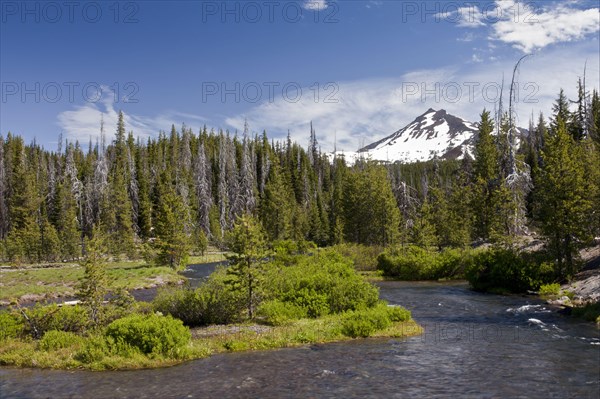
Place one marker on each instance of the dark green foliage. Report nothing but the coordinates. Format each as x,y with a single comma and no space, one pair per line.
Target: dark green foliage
415,263
506,270
563,199
150,334
370,212
212,303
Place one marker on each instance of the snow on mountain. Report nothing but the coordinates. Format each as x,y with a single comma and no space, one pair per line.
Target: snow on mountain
435,133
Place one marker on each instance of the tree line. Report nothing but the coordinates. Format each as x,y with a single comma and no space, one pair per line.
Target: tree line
171,195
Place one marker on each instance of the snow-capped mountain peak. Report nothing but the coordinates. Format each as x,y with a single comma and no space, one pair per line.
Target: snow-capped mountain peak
434,133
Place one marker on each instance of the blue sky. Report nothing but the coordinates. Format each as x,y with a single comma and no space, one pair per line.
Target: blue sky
358,69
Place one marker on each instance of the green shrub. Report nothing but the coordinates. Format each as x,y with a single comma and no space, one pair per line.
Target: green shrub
415,263
214,302
508,270
11,325
398,313
53,340
309,300
363,323
150,334
53,317
279,313
549,289
364,257
94,349
324,283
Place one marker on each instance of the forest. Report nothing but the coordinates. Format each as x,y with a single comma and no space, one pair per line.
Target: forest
170,196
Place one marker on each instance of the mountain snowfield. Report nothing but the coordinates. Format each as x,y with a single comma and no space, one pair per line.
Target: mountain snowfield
434,133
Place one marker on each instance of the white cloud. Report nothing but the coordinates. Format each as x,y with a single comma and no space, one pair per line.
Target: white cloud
83,122
315,5
529,29
464,17
368,110
526,26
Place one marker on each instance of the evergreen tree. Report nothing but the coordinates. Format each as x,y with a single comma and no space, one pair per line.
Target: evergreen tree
276,208
562,203
172,241
247,243
94,284
486,182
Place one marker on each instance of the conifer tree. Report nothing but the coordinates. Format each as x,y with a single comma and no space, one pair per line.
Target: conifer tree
562,201
247,243
486,181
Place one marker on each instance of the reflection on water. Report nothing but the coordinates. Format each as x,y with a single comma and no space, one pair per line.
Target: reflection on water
474,345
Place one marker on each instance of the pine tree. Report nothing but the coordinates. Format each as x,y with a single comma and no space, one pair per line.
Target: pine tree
172,241
119,212
247,243
562,203
276,207
94,284
486,182
3,194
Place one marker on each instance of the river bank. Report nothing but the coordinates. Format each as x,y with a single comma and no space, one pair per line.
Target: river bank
473,345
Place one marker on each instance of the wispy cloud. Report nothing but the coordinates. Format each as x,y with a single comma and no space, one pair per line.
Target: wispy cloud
368,110
464,17
315,5
83,122
527,26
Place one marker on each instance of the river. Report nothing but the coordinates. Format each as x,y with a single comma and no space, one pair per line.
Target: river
475,345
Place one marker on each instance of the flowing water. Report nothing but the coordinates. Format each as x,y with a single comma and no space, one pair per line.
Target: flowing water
474,345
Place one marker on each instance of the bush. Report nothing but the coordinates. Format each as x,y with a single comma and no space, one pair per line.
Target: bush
416,263
277,313
364,323
11,325
398,313
313,303
507,270
214,302
95,348
324,283
364,257
549,289
53,340
150,334
53,317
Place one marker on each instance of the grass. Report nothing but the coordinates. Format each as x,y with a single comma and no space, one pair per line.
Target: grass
34,283
43,281
206,342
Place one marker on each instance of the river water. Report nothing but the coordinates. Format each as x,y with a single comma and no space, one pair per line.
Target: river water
474,346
